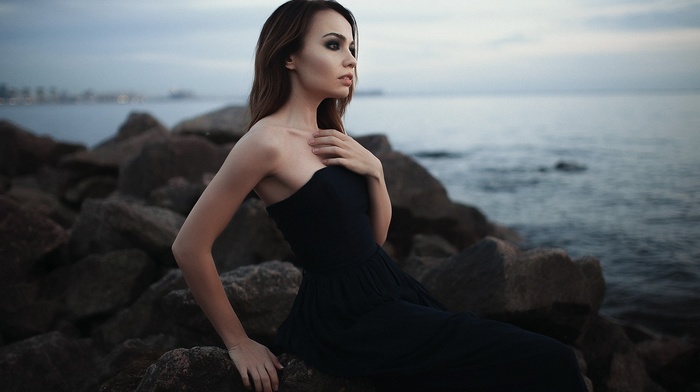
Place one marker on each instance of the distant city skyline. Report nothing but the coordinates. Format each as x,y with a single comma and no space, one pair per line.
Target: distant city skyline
206,47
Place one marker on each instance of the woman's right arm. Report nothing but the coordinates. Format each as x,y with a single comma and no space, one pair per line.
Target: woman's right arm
251,159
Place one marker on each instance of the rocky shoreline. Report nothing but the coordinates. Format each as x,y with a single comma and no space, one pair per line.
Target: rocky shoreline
91,298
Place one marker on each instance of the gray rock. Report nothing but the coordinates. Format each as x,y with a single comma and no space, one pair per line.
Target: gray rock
427,252
145,317
420,205
377,144
261,294
613,364
43,202
50,362
136,125
189,157
112,224
124,367
27,237
210,369
220,126
22,152
541,290
101,284
178,195
251,237
297,376
189,370
139,130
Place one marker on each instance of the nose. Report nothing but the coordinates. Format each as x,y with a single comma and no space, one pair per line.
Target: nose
350,60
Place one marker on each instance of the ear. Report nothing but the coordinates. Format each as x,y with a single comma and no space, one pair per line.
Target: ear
289,63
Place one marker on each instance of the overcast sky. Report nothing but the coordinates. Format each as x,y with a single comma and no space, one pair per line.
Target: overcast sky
406,46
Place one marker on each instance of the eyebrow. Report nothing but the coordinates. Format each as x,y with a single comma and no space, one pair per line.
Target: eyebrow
339,36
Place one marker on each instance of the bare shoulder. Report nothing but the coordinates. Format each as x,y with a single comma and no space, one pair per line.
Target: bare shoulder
265,138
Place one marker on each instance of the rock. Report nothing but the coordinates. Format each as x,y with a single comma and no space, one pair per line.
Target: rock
297,376
251,237
189,370
432,246
189,157
569,167
123,369
135,126
24,153
113,224
672,362
92,187
101,284
42,202
377,144
210,369
221,126
145,317
613,364
420,205
261,294
24,313
50,362
542,290
27,237
178,195
137,131
428,252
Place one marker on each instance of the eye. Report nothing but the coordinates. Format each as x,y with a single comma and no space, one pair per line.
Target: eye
352,51
333,45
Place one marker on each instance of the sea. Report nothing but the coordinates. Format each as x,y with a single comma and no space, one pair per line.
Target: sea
613,175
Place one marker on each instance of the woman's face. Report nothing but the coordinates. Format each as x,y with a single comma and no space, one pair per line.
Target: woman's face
325,66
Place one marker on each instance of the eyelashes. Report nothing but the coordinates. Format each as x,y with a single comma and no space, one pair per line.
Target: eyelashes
335,45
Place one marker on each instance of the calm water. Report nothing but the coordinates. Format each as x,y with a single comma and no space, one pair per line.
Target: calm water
636,206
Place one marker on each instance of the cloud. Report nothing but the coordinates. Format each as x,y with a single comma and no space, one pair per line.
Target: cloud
404,45
684,16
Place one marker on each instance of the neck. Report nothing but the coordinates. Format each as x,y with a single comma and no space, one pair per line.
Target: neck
300,110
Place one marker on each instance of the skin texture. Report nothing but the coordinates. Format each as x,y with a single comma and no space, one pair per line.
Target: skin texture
275,158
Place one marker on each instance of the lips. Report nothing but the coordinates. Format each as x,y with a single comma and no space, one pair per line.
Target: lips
346,79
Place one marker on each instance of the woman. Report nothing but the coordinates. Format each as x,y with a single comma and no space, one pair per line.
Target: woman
356,313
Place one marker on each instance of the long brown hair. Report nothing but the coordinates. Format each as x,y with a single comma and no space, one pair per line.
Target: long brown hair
282,35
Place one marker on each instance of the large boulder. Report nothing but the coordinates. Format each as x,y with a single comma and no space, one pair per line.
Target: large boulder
137,131
27,237
93,173
420,205
251,237
542,290
145,316
210,369
613,363
189,157
113,224
220,126
261,294
50,362
101,284
195,369
22,152
34,198
178,194
123,368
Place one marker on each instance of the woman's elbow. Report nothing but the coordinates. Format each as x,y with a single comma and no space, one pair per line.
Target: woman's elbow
183,250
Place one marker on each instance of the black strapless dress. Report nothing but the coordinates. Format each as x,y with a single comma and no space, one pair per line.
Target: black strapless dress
358,314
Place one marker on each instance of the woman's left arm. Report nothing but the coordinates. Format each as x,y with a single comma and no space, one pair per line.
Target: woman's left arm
337,148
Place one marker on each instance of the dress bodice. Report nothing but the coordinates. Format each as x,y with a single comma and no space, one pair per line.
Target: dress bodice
326,221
